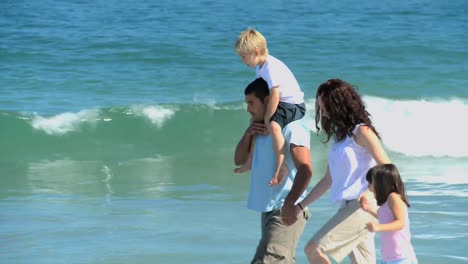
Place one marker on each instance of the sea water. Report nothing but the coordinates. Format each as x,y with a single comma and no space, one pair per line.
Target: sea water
119,120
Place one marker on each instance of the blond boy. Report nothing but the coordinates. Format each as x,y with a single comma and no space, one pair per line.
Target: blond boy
286,100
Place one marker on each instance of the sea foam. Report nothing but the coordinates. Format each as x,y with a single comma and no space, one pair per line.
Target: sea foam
425,127
421,127
65,122
157,115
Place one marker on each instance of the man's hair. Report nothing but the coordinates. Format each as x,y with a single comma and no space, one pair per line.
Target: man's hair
258,87
249,40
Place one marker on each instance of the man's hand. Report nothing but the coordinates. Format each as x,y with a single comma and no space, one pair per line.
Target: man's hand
289,214
255,128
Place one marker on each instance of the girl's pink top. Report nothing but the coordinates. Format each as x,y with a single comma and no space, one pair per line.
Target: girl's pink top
395,245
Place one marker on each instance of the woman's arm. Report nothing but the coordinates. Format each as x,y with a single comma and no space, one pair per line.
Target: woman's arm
365,137
319,189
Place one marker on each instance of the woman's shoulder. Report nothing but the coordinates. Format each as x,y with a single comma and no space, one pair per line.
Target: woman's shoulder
363,129
363,134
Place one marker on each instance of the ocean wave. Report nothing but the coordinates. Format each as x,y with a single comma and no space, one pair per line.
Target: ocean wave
63,123
417,128
157,115
67,122
414,128
421,127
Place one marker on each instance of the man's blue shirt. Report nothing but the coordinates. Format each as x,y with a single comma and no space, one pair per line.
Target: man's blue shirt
262,197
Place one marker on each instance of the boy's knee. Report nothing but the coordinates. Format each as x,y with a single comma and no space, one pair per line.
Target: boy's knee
275,124
275,127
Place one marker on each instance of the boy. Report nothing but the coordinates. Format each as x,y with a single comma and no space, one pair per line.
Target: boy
286,100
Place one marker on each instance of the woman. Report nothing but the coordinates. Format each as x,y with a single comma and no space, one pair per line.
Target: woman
343,117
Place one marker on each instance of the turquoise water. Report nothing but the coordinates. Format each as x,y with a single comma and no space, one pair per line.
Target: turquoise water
119,120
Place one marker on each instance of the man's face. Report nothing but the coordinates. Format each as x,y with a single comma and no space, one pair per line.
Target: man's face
255,107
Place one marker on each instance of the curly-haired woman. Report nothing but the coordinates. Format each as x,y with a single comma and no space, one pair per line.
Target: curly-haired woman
356,148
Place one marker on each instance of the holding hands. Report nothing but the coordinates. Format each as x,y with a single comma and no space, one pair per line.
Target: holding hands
373,227
290,213
365,204
370,207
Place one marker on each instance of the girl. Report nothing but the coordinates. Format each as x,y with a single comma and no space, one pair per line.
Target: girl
385,182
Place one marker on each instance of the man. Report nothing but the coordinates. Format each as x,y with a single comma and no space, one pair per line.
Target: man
280,223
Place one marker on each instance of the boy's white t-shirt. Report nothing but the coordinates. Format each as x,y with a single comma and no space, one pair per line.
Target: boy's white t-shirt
276,73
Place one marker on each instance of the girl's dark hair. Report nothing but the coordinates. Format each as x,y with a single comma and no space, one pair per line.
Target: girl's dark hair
386,179
345,110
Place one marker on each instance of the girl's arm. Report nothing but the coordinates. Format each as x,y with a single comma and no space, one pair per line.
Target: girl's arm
397,206
366,137
272,104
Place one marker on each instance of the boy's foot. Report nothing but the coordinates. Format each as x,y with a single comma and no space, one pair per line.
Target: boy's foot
240,170
278,177
274,181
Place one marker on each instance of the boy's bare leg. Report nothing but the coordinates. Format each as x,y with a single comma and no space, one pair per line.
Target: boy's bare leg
278,146
283,172
281,175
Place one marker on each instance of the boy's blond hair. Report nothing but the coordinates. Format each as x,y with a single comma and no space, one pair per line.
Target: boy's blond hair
249,40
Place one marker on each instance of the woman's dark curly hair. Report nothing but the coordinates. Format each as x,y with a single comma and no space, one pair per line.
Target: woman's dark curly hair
344,107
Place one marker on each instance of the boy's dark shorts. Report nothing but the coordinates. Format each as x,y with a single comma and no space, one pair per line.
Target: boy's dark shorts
286,113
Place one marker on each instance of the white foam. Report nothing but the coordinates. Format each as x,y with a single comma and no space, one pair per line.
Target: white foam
204,99
416,127
438,236
65,122
444,171
439,192
309,118
421,127
109,191
157,115
235,107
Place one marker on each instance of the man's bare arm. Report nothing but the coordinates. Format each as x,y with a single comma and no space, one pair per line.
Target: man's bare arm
303,164
243,147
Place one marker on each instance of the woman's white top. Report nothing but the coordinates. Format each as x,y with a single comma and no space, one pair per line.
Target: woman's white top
348,164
